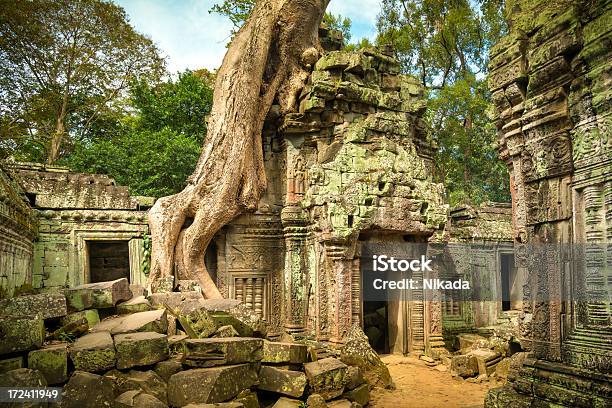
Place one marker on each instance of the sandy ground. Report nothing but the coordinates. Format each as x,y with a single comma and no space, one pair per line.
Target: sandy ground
420,386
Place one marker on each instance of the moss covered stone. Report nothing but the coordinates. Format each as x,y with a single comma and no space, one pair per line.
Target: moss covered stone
52,362
140,349
326,377
21,334
281,381
93,352
279,353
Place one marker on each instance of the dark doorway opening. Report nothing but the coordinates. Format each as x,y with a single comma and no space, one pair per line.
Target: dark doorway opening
108,260
508,275
376,325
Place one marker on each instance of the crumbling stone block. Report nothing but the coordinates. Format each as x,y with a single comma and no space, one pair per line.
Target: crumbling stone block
138,399
102,294
358,352
166,369
209,385
278,352
21,334
486,360
93,352
226,331
354,378
147,382
91,316
360,395
464,365
51,361
139,349
134,305
46,305
286,382
326,377
154,320
221,351
87,390
284,402
316,401
13,363
22,377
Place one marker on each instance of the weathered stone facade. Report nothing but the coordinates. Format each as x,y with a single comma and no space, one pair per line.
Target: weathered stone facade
551,84
18,229
76,212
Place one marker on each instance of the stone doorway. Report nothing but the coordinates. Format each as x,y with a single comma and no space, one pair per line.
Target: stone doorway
376,325
108,260
509,284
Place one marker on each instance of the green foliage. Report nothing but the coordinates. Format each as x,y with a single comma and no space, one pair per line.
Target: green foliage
180,106
67,337
446,45
151,163
239,10
155,149
64,66
340,23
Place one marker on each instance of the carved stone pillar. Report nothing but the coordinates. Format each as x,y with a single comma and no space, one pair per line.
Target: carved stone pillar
339,285
296,269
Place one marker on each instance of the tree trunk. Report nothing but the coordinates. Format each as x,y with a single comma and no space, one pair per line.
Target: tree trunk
266,62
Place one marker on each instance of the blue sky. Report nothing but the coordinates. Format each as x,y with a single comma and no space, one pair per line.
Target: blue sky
190,37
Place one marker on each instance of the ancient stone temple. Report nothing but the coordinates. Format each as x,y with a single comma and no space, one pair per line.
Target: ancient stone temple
89,229
551,84
353,165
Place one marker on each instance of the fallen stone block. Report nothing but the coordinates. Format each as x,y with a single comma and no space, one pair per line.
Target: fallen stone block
286,382
73,329
13,363
93,352
209,385
360,395
46,305
248,399
102,294
138,399
79,299
486,360
464,341
222,351
354,378
198,323
166,369
464,366
226,331
326,377
232,312
282,353
175,343
358,352
21,334
91,316
140,349
316,401
154,320
342,403
51,361
231,404
284,402
178,302
87,390
134,305
147,382
22,377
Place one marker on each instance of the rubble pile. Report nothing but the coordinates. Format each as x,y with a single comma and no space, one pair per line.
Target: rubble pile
109,344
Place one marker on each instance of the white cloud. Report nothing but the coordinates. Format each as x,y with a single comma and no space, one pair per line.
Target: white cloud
193,38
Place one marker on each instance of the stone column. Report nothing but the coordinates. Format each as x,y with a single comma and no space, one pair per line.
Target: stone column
296,267
339,285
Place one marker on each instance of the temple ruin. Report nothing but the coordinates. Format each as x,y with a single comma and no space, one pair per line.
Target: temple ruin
352,167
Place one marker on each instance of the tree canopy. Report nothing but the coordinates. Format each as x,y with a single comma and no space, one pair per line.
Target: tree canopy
64,65
155,148
445,44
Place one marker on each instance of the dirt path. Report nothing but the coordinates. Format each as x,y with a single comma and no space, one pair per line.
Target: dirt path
420,386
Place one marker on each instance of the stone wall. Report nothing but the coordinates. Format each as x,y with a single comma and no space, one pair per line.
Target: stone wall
18,230
73,210
551,84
